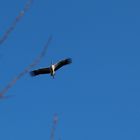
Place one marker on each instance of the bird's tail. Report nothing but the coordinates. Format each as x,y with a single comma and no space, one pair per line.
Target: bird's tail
34,73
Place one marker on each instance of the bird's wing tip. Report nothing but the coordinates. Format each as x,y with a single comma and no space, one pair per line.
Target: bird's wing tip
32,73
69,60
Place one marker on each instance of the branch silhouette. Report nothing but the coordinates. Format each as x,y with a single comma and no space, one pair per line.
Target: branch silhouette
27,69
55,121
17,19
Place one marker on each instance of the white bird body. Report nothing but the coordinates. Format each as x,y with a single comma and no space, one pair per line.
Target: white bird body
52,70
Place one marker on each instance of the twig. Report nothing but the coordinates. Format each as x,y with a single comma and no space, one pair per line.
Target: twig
27,69
55,121
17,19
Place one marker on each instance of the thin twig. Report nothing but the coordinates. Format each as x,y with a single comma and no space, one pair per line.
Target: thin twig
27,69
17,19
55,121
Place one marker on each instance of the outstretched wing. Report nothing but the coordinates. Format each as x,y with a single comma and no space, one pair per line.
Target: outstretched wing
62,63
40,71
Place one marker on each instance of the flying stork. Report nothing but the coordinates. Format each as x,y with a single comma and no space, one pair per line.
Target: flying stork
51,70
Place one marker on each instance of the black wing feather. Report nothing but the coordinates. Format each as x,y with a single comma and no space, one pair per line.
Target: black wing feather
40,71
62,63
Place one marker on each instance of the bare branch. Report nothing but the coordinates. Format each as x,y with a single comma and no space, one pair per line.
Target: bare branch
55,121
17,19
27,69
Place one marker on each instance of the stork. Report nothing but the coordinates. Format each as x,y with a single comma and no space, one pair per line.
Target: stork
51,70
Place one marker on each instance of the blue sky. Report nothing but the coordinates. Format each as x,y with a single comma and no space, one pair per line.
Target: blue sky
97,97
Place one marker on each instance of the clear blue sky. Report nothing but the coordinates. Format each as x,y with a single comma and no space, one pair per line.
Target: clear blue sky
98,96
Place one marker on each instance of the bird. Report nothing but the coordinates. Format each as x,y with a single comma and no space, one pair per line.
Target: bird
52,69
